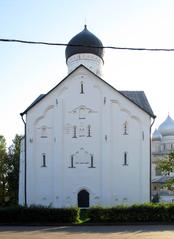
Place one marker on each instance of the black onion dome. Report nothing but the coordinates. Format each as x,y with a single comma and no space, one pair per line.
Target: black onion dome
86,43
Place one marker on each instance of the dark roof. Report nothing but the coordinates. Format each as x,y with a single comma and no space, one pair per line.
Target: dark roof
137,97
34,103
36,100
84,42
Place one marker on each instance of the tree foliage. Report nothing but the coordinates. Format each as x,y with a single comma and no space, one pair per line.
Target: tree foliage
9,170
166,166
13,172
3,170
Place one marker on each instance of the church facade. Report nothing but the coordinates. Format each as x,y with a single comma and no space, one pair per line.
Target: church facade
86,143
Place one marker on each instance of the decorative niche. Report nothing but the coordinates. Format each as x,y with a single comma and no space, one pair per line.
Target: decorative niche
44,132
81,158
82,111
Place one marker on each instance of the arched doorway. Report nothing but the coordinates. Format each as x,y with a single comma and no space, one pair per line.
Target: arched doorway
83,198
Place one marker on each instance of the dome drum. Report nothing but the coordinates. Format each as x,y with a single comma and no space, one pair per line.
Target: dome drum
92,62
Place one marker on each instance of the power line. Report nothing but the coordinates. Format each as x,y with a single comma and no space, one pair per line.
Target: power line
104,47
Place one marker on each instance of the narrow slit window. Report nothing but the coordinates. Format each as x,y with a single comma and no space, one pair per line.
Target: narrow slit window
44,160
92,161
74,131
125,128
125,159
72,161
89,131
81,88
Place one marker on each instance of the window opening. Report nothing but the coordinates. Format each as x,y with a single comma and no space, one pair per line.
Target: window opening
74,131
89,131
92,161
81,88
125,128
125,159
72,161
44,160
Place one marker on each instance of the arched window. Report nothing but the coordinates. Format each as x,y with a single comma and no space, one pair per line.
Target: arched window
83,198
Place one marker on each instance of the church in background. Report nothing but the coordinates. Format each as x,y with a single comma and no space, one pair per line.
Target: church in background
162,145
86,143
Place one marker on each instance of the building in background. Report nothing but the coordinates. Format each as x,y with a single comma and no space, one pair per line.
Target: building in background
86,143
162,145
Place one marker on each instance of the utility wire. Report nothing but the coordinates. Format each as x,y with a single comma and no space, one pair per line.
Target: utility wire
102,47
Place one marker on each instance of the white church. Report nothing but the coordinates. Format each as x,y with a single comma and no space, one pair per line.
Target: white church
162,146
86,143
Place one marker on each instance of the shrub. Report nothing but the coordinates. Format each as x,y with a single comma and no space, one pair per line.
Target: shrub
38,215
138,213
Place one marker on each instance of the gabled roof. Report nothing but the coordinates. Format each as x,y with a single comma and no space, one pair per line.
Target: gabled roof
36,101
136,97
139,98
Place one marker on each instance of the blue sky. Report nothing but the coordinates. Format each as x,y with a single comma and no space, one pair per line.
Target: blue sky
29,70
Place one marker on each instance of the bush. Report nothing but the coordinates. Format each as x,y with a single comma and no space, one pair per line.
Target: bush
138,213
38,215
142,213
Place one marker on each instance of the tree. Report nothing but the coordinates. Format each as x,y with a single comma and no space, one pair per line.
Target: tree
3,170
166,165
13,169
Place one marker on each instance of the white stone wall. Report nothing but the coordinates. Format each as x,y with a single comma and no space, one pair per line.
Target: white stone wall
50,131
90,61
